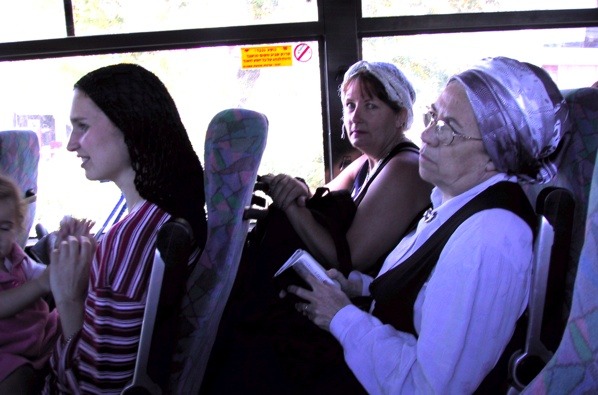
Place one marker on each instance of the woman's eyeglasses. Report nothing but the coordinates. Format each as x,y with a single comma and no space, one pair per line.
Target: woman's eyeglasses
444,131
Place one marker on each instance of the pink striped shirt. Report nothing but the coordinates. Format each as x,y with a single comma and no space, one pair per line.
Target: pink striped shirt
101,358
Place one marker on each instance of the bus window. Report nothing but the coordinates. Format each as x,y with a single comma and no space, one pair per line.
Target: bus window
111,16
32,20
379,8
196,47
202,81
430,59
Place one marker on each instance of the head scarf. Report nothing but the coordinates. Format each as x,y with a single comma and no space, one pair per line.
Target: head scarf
168,172
521,114
395,83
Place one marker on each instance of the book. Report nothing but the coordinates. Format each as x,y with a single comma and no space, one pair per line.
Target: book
302,262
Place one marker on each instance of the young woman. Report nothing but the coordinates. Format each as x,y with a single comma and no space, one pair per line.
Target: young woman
126,129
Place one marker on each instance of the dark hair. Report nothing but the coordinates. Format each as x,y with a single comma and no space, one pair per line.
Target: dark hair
10,192
167,169
371,86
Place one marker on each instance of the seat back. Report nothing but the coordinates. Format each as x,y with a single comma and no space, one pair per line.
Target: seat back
19,159
575,175
555,207
572,369
158,330
566,212
235,141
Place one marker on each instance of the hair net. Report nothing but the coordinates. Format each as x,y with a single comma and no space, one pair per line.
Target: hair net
521,115
395,83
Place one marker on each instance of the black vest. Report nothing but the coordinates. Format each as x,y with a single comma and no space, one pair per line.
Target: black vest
395,291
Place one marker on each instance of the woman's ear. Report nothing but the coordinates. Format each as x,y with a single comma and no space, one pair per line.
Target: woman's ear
401,119
490,166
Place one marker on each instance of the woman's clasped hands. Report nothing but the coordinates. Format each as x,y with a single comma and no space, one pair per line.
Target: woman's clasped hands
286,190
71,259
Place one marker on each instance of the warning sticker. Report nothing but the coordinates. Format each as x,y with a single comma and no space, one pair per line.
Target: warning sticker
302,52
268,56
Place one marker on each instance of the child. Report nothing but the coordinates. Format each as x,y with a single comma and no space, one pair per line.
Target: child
28,329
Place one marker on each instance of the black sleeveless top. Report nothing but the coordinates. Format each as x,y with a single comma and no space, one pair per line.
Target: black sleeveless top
362,183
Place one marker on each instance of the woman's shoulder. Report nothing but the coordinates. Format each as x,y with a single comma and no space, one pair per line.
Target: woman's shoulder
399,183
407,151
147,218
402,157
147,211
405,163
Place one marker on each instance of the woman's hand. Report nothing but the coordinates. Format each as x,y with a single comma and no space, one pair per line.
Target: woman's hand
69,268
351,288
69,279
322,302
286,190
70,226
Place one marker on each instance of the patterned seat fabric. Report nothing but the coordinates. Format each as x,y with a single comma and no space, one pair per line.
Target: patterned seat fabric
574,367
19,159
235,141
575,173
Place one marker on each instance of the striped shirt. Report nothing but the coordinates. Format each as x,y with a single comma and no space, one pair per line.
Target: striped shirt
101,358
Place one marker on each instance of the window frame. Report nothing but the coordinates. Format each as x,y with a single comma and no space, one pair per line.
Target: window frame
339,31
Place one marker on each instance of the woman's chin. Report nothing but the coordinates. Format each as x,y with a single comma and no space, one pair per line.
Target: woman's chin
91,177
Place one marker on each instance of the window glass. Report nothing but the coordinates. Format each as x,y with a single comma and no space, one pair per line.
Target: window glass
25,20
114,16
37,96
569,56
382,8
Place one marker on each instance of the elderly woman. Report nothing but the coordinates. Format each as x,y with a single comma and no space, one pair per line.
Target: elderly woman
448,298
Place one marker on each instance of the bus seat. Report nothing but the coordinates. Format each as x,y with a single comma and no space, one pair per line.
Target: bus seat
573,368
235,141
158,330
575,175
19,159
554,207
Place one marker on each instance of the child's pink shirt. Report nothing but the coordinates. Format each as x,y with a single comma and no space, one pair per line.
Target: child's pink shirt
28,336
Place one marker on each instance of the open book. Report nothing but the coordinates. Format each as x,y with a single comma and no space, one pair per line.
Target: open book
302,262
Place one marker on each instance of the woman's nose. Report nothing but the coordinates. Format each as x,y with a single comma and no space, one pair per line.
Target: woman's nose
355,115
73,142
428,135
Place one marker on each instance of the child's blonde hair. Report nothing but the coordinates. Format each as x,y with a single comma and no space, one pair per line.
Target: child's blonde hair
10,191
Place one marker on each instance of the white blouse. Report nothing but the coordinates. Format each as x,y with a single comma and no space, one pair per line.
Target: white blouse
464,315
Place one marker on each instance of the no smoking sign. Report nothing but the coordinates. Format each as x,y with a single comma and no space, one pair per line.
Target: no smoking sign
302,52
